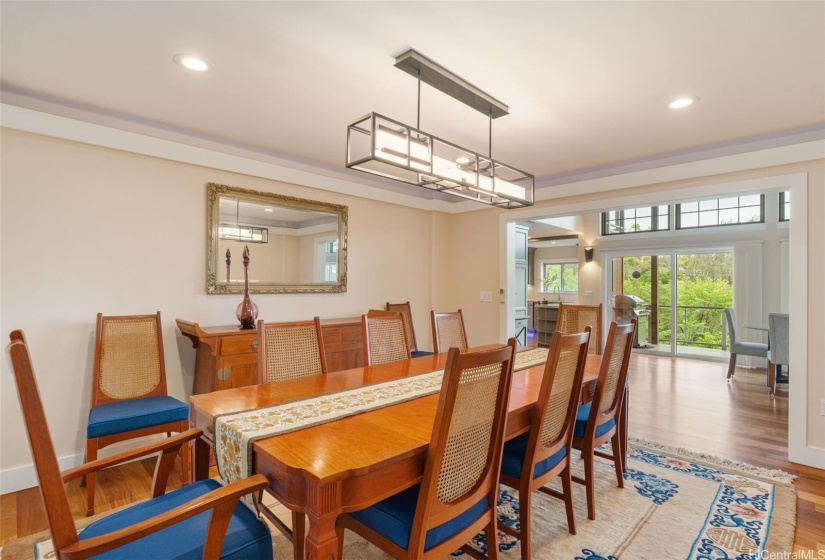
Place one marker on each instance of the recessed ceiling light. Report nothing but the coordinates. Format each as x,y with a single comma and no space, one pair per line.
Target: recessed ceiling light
192,63
462,160
683,102
268,210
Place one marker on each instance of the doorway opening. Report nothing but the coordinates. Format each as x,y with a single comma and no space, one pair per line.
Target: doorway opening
677,298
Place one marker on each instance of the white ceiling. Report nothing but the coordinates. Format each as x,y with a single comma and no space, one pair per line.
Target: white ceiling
587,83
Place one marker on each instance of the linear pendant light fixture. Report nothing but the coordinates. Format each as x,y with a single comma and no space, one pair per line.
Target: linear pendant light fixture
382,146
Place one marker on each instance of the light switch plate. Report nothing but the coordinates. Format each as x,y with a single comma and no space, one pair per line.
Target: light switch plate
822,408
486,297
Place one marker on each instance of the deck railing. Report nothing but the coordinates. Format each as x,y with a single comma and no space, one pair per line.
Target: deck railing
696,325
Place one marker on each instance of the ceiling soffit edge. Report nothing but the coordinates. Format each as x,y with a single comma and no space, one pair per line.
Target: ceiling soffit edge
745,145
795,147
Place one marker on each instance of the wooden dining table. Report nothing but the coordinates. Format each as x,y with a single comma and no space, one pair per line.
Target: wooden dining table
353,462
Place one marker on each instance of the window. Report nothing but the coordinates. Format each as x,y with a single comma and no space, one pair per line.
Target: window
634,220
331,261
560,276
721,212
785,206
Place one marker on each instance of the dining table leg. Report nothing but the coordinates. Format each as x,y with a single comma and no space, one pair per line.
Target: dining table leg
323,507
321,540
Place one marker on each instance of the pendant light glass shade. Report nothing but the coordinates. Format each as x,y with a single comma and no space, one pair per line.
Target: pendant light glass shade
385,147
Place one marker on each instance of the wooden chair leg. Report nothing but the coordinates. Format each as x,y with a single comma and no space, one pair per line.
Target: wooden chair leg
91,478
772,377
185,457
615,441
589,483
732,365
567,487
299,536
491,533
525,498
621,426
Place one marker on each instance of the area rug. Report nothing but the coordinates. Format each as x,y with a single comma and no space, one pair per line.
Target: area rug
675,504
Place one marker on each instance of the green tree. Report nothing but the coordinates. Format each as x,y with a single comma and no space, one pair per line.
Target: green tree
703,280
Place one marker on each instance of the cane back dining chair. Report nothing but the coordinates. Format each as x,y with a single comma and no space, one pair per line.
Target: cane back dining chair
597,421
385,337
458,495
737,346
129,398
574,318
448,331
199,520
289,351
779,343
535,458
406,312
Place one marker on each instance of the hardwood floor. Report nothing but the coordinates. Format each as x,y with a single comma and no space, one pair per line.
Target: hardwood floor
687,403
679,402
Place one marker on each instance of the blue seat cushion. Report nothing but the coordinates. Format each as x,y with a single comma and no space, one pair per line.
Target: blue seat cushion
513,460
246,537
133,414
581,422
393,518
419,353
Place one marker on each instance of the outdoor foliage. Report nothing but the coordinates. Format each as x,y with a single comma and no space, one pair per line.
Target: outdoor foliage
704,287
563,276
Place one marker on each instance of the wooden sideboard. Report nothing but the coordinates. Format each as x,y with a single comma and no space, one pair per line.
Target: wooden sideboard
227,357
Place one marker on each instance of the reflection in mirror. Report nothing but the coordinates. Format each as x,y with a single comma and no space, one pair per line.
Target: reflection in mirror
295,245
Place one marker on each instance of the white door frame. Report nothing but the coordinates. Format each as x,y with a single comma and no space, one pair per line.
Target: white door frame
798,449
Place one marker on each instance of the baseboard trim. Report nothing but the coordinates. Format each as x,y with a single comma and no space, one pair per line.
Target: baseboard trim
808,455
21,478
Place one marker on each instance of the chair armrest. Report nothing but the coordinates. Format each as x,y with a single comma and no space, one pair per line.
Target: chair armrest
126,456
223,501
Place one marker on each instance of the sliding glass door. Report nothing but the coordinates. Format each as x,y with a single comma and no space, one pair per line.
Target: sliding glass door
676,297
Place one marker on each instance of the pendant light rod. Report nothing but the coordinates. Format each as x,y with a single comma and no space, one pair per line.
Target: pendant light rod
418,113
414,63
490,142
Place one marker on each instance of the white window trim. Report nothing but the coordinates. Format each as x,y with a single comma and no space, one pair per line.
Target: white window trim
538,279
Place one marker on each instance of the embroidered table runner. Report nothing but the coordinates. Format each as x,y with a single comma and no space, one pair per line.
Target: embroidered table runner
236,431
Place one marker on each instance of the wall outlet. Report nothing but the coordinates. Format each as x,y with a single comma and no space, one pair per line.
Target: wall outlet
486,297
588,293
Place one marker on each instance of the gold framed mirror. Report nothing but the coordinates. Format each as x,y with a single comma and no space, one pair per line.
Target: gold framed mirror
296,245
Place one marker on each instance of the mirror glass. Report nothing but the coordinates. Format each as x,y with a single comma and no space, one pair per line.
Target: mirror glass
295,244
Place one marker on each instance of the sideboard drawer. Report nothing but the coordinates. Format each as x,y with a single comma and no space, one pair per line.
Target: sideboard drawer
240,344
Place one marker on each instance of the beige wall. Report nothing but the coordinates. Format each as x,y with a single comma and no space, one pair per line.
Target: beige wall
467,263
87,230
